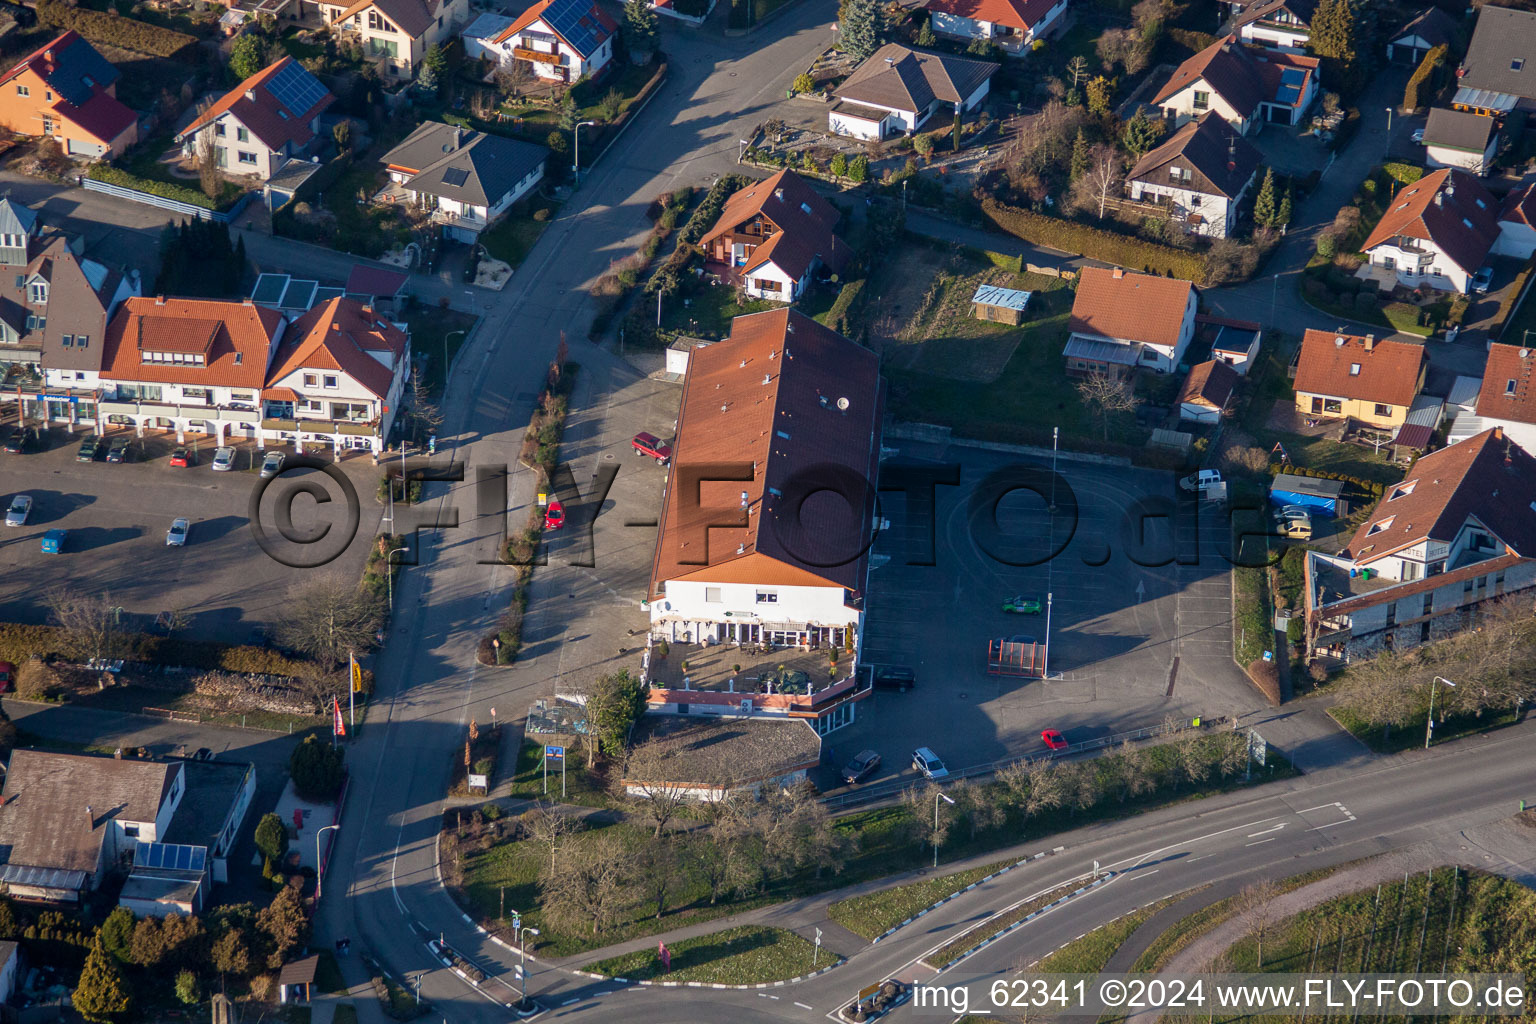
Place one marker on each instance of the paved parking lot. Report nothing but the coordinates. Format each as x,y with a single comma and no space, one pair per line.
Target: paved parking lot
117,515
1135,634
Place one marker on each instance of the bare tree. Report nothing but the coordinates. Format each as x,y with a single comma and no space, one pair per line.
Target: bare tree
657,874
1256,905
648,774
1194,760
1015,780
329,618
1135,770
1047,786
931,828
511,75
208,163
1106,395
979,806
92,625
589,885
1101,182
426,411
550,828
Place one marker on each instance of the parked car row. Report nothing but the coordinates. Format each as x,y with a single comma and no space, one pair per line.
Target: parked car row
55,541
925,762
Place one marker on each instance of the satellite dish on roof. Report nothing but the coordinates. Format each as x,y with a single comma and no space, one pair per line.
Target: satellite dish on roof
842,404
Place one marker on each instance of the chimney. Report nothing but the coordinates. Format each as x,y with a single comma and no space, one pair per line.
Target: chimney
767,378
159,300
1498,433
1119,273
1439,199
1370,342
778,194
90,817
458,137
250,94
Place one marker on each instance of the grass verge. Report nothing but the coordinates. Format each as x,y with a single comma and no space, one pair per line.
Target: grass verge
963,944
1089,954
749,955
873,913
514,235
1388,740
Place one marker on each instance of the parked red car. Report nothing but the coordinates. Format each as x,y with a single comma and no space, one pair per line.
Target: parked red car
655,447
7,677
554,516
181,458
1054,739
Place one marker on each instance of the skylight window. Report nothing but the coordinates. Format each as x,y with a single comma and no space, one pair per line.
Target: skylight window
1354,369
1467,223
1379,526
1517,64
1402,490
1509,386
1481,205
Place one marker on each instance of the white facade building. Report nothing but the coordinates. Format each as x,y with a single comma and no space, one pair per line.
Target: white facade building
559,40
1012,25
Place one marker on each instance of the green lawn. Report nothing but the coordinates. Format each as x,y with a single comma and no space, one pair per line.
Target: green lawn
747,955
430,327
515,234
581,787
144,162
299,49
963,944
708,311
873,913
1387,740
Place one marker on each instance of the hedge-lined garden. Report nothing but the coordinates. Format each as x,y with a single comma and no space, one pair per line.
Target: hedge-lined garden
112,29
1096,243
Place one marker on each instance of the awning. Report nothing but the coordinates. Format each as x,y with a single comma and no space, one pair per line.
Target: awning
1100,351
43,878
1419,426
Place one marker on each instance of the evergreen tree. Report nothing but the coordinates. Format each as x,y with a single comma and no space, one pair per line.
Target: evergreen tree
565,111
860,28
272,836
284,925
1080,157
187,988
839,166
1142,133
245,57
1264,204
1100,91
117,934
640,25
858,169
925,36
103,994
1284,216
1333,38
436,59
426,79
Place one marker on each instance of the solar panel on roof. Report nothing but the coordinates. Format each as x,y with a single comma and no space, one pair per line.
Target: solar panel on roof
571,19
295,88
171,856
455,176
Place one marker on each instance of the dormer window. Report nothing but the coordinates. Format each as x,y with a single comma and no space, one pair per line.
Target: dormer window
1379,525
1402,490
1354,369
39,292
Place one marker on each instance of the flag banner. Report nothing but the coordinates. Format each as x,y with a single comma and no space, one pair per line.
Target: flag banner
338,727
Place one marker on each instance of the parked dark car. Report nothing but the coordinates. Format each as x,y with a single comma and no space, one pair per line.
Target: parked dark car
21,441
118,452
88,449
895,677
861,767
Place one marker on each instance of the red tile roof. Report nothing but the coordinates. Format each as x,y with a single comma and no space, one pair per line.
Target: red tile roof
103,116
1113,303
804,221
1450,208
1508,393
1209,383
345,336
1020,14
80,77
602,25
1520,207
1388,372
254,105
241,341
1488,477
1242,76
769,397
375,281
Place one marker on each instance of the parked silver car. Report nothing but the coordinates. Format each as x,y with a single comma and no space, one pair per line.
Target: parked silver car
272,465
21,507
223,459
176,536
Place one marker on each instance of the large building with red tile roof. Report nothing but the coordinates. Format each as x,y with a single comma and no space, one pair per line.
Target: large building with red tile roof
774,235
1456,532
1507,398
1437,232
1346,375
1246,86
557,40
1122,320
262,123
67,92
1011,25
1201,174
396,34
337,377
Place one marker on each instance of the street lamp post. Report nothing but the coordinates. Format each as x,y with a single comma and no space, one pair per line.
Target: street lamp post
1055,440
936,798
576,132
522,965
1389,119
389,568
1045,666
445,355
319,864
1429,726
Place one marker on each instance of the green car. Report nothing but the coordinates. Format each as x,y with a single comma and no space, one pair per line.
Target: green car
1022,605
88,449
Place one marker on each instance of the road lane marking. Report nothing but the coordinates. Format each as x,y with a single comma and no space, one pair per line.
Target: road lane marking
1188,842
1261,842
568,1002
804,1007
1267,831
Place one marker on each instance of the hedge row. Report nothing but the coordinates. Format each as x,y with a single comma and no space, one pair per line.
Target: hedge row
114,29
1095,243
20,641
669,275
1401,172
1511,300
1371,487
1195,41
843,306
164,189
1433,59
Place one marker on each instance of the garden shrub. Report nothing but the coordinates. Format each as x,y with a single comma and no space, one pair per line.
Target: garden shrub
164,189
